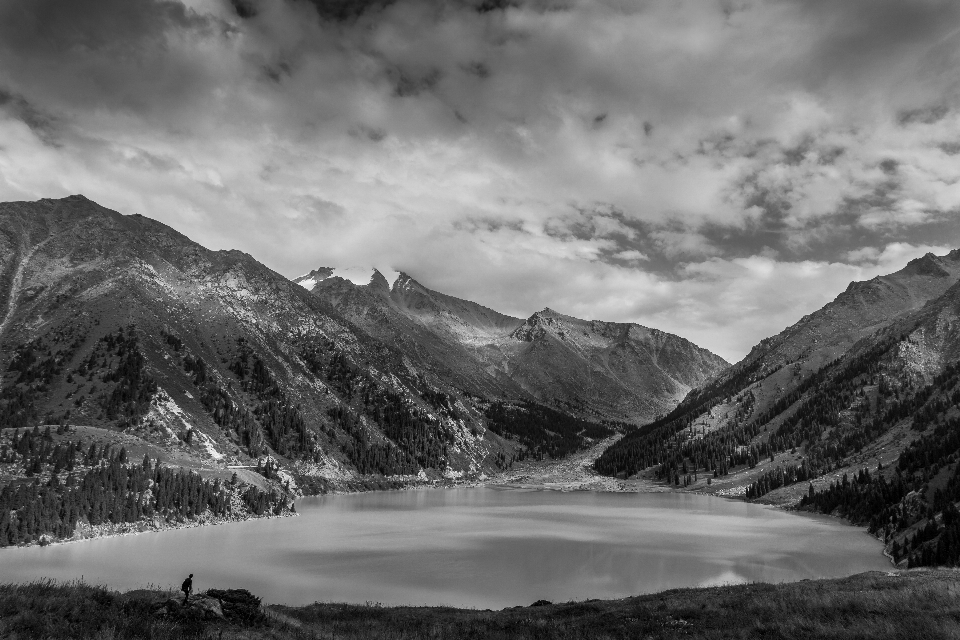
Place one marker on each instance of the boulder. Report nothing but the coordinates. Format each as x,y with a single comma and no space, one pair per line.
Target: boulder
239,605
166,608
203,607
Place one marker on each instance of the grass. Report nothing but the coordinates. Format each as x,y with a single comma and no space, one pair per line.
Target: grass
906,604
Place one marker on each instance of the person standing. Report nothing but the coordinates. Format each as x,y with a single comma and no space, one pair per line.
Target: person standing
187,588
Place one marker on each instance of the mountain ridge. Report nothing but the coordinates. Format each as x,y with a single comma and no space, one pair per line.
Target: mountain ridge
854,410
616,373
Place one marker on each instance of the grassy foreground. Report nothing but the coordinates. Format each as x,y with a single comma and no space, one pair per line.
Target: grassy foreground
922,603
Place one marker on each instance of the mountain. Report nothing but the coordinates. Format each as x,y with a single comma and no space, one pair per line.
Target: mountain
118,332
120,323
599,370
851,411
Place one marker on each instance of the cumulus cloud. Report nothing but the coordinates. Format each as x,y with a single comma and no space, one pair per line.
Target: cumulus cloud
668,162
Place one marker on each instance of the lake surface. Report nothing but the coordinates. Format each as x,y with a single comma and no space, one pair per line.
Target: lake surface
474,547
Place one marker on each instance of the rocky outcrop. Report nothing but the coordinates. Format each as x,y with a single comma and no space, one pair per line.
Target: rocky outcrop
237,606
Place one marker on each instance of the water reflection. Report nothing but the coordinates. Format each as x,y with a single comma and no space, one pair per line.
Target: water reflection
484,547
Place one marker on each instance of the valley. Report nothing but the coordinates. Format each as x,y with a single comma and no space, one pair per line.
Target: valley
122,331
129,349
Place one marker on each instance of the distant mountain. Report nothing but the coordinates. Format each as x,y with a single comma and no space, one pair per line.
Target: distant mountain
853,411
120,322
604,370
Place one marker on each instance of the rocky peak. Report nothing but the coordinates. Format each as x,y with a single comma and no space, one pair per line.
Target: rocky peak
927,265
540,324
379,283
309,280
360,276
405,283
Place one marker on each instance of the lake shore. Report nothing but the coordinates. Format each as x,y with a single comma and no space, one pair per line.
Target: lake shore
85,532
573,473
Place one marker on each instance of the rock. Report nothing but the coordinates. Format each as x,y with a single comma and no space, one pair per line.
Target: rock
199,607
205,608
168,607
239,605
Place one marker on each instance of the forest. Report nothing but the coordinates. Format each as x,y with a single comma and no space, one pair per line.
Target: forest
543,432
416,439
911,507
67,483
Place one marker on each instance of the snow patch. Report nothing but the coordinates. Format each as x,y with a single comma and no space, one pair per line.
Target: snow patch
357,275
306,283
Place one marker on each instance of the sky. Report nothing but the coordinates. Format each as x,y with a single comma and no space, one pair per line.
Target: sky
715,169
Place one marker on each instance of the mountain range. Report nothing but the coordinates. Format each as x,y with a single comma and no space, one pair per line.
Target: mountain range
134,341
119,327
604,370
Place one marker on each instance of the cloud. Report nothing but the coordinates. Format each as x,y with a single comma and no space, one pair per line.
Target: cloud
666,162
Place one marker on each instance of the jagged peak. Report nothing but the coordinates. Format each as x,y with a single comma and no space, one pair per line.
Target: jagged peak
926,265
545,315
405,281
309,280
361,276
536,325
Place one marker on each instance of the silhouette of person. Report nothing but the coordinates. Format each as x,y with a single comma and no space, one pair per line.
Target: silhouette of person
187,588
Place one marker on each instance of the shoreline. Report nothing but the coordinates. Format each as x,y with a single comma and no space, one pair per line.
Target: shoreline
571,474
138,528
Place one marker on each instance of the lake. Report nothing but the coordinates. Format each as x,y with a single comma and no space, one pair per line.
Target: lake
473,547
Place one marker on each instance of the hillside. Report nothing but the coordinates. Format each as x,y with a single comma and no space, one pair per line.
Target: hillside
599,370
897,604
862,424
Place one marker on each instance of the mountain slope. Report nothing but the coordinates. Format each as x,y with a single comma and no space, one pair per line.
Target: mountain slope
784,365
613,371
873,434
120,322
